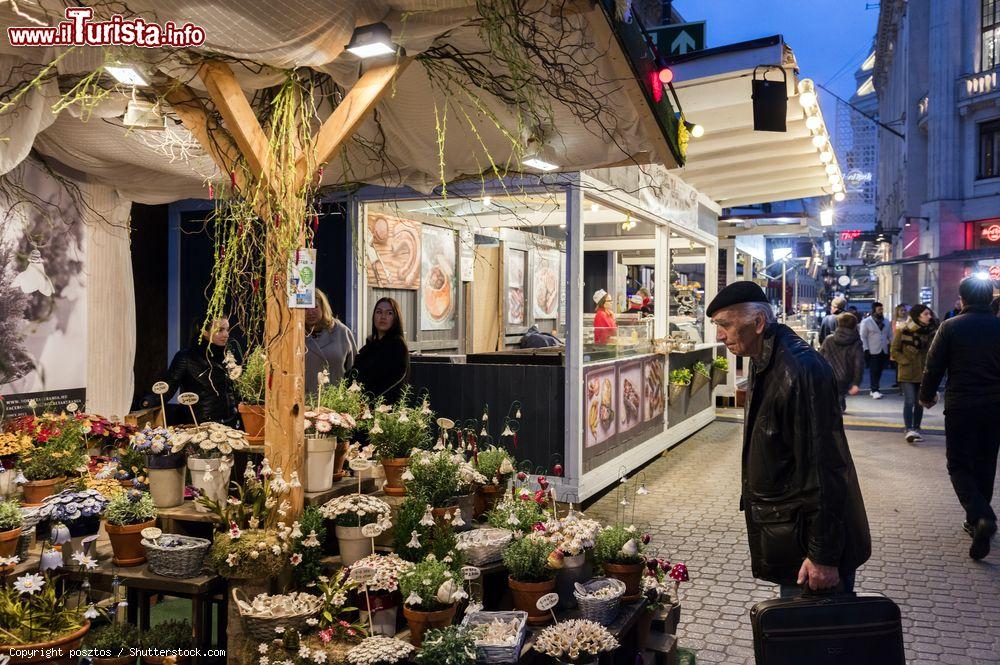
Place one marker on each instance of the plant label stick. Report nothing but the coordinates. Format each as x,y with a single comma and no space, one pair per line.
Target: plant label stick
189,400
359,464
371,531
364,574
160,388
548,602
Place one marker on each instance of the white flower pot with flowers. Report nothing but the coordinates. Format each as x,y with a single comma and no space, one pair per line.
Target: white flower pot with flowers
164,450
350,513
574,535
210,448
326,432
382,598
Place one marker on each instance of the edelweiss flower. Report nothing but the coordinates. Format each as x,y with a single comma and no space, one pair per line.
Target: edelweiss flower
29,584
263,648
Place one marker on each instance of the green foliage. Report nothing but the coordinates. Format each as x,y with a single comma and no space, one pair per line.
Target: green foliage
611,540
113,637
527,559
172,635
454,645
721,362
490,461
311,566
39,617
59,457
10,515
250,383
438,540
435,478
681,377
131,464
131,507
702,368
340,398
527,512
245,565
402,429
425,580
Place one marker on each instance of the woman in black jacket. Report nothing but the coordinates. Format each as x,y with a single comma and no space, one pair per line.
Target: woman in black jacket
200,368
844,352
383,363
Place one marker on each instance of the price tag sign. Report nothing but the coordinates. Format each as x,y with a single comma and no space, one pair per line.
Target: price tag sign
471,573
151,533
72,407
445,423
359,464
371,531
547,602
161,387
362,574
188,399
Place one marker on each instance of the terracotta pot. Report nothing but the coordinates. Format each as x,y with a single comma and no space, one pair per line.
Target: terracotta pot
631,575
439,514
253,422
8,542
35,491
487,497
423,621
126,541
56,652
394,468
123,660
338,461
526,595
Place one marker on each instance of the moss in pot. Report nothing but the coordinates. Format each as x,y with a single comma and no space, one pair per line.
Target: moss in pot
175,638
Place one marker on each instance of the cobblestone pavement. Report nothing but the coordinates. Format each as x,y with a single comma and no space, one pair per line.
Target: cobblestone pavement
950,604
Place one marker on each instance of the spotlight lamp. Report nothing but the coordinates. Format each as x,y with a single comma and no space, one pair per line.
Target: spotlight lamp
539,164
372,41
126,74
696,130
807,94
813,123
826,156
826,217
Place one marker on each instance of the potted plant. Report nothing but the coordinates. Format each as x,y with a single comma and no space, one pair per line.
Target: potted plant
12,445
79,509
250,380
618,550
469,481
38,625
677,391
309,546
56,451
433,477
430,590
11,520
383,591
417,534
496,466
379,651
102,434
126,516
131,468
452,645
574,535
210,448
531,565
657,596
720,370
350,513
576,642
327,434
111,644
519,515
174,637
701,375
346,399
394,431
164,451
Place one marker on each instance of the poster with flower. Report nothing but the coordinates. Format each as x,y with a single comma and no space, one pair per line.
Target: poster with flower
438,294
516,263
43,294
545,295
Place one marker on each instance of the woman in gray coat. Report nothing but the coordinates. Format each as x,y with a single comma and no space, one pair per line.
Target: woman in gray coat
844,352
330,344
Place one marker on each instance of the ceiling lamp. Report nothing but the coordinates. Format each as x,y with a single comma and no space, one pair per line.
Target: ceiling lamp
807,94
813,123
696,130
839,196
826,156
820,140
594,207
126,74
143,114
535,162
372,41
837,188
831,169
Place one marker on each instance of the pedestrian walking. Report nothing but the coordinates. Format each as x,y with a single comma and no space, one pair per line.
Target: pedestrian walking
876,338
829,323
806,521
909,350
967,348
844,352
954,311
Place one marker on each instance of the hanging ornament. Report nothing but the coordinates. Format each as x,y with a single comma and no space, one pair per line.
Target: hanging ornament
414,543
34,279
457,520
624,501
51,559
486,414
507,431
642,491
426,409
428,518
522,476
512,519
407,475
376,428
517,414
483,432
557,469
403,417
623,480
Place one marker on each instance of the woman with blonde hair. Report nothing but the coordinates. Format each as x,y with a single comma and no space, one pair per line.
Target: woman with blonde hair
330,345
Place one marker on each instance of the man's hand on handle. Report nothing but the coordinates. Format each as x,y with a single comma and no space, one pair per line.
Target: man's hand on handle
818,576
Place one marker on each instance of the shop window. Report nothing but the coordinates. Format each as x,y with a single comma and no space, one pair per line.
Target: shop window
990,34
989,147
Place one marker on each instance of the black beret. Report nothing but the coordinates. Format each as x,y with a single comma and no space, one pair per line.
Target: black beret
734,294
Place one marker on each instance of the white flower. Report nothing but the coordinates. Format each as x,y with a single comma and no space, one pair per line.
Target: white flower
232,560
32,403
280,630
355,388
319,656
263,648
91,612
376,428
87,562
413,599
304,651
9,561
29,584
264,660
312,621
296,559
407,475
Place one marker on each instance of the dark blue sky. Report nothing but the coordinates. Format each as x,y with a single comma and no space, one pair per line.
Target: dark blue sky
826,35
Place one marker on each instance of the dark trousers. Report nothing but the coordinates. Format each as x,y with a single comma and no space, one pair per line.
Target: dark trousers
876,364
913,413
973,440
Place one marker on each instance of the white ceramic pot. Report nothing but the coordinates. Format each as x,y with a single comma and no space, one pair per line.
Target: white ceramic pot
353,546
7,485
575,569
216,486
166,486
320,457
383,621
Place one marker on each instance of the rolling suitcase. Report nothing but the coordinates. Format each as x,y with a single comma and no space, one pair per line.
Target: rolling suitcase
856,629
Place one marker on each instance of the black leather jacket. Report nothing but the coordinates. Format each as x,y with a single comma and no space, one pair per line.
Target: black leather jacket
193,371
967,347
800,489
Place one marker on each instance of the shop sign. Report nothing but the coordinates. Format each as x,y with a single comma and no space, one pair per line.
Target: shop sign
467,255
926,295
856,179
990,233
850,234
995,273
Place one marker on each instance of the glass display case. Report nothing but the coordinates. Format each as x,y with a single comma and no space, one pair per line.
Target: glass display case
632,336
687,301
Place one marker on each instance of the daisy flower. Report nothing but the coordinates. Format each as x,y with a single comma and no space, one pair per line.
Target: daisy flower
29,584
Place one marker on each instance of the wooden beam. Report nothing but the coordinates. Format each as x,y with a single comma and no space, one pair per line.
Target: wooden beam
186,104
342,123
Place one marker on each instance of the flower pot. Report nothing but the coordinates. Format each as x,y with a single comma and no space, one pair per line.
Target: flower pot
353,546
317,474
394,468
85,526
7,475
719,376
466,504
423,621
672,618
698,381
216,486
439,514
123,660
338,461
526,595
631,575
575,569
8,542
253,422
166,486
676,392
126,542
35,491
56,652
383,620
487,497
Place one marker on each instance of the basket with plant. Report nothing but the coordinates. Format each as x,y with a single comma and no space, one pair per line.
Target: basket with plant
575,642
679,381
11,521
531,564
351,512
128,513
175,637
112,644
499,636
701,375
250,380
720,370
430,590
164,451
394,431
33,618
496,466
618,551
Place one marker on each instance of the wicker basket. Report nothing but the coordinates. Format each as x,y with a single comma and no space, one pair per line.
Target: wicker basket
498,654
602,610
262,628
487,552
183,559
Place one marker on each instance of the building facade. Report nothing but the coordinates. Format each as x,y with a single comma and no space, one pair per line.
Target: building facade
938,195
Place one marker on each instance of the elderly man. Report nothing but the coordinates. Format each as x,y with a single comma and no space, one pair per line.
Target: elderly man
806,520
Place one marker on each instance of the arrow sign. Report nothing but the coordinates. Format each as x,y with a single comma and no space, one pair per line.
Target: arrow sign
682,44
680,38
